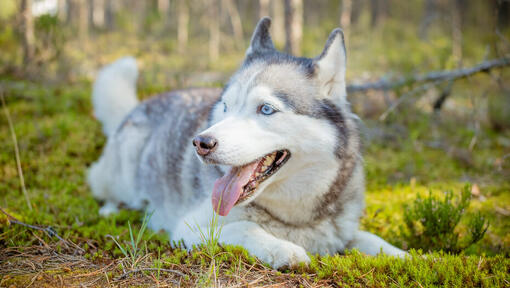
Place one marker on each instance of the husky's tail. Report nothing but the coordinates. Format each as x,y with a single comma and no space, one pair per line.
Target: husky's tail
114,93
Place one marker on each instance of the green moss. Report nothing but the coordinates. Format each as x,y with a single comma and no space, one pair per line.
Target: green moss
59,138
436,269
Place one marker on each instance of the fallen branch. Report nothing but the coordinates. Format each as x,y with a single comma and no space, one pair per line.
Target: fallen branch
16,150
148,269
48,230
436,76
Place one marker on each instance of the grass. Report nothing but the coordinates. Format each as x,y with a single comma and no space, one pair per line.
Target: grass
16,150
58,138
209,237
210,246
132,250
235,267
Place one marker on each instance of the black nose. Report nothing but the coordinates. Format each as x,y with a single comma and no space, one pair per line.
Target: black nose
204,144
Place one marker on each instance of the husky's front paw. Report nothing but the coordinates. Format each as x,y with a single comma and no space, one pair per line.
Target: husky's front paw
186,235
284,254
108,208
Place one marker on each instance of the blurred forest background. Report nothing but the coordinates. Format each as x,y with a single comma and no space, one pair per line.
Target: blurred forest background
200,42
429,78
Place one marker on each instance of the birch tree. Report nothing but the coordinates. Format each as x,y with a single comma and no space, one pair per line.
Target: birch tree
293,26
182,25
278,25
214,30
263,8
27,31
235,21
345,16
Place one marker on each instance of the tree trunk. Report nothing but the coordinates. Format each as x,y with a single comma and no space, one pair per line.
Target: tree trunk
109,13
98,13
456,25
70,12
263,8
378,9
27,30
62,10
357,7
214,30
163,7
90,12
345,17
293,26
83,19
503,14
235,20
428,18
182,26
456,31
140,11
278,24
374,10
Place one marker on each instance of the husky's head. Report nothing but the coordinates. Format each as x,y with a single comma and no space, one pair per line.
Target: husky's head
277,115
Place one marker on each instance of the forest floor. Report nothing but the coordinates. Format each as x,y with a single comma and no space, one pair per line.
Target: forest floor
407,155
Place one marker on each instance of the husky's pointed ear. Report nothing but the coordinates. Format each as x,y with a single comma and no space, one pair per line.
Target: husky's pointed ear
329,67
261,39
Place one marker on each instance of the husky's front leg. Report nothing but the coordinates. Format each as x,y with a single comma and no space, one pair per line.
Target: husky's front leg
371,244
268,248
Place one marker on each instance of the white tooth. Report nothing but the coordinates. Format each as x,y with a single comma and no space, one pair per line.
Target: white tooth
268,161
282,158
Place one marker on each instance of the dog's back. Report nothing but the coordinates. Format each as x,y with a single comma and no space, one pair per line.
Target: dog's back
147,143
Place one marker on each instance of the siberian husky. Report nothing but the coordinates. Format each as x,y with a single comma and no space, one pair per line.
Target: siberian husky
276,153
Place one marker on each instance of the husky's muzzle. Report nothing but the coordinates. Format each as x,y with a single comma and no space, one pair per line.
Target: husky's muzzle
240,183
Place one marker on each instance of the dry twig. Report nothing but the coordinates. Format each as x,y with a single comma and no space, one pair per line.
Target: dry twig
48,230
148,269
16,150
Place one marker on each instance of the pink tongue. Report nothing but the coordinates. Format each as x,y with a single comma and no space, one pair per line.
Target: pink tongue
228,188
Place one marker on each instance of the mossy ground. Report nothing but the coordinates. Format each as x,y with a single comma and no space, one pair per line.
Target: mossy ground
411,152
59,138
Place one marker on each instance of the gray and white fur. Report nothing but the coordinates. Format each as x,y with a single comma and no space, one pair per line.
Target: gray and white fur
312,204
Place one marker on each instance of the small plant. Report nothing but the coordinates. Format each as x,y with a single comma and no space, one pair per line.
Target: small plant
210,237
132,249
431,222
158,264
210,246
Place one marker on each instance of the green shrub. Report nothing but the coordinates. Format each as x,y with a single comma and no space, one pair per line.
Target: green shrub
432,223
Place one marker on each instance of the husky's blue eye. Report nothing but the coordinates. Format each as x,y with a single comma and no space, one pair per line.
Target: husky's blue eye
266,109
